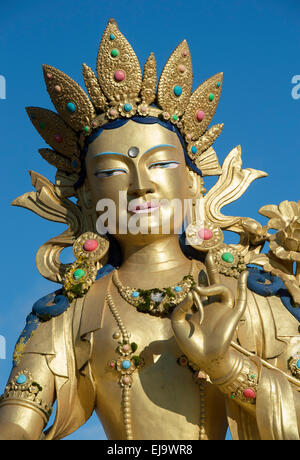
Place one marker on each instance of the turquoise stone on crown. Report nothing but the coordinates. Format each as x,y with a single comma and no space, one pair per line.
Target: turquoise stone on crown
127,107
71,107
112,37
177,90
21,379
298,364
177,288
135,294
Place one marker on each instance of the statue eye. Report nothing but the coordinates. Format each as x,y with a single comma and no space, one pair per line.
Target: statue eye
109,172
164,164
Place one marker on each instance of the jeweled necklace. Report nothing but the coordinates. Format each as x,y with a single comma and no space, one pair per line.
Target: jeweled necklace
127,363
124,365
156,301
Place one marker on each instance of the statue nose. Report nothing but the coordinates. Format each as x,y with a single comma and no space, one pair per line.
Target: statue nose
140,191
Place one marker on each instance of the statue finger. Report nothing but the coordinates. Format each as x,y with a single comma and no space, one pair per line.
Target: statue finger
225,294
212,271
199,306
181,310
242,294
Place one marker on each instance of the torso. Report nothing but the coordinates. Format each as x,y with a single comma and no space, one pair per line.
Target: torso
165,401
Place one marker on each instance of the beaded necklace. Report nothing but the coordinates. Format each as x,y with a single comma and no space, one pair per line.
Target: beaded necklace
127,363
157,301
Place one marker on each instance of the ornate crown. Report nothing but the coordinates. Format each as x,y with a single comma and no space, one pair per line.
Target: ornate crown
122,91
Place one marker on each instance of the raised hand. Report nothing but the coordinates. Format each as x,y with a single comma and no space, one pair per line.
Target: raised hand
205,336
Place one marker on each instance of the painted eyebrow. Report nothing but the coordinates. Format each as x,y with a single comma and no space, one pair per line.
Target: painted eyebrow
110,153
123,154
159,145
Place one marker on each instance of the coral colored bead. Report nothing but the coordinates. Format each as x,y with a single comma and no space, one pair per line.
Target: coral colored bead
119,75
90,245
249,393
126,380
58,89
205,234
49,76
181,68
200,115
58,138
126,347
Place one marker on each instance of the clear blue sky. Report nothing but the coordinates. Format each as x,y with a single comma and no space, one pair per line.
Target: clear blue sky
256,43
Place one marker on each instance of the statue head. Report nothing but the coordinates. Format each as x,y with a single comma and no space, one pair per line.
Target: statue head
138,170
129,136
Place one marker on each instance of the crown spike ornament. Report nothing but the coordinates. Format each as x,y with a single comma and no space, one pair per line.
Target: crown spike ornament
119,89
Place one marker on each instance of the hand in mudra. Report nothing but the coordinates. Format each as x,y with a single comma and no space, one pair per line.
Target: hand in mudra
205,336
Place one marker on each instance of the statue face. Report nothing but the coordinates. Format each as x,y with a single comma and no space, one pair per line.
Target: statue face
146,163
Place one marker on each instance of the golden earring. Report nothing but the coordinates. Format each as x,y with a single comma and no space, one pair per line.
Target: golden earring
89,249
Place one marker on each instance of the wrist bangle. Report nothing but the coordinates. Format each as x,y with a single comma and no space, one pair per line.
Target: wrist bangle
242,382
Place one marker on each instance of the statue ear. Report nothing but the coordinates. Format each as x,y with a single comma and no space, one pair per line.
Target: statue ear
194,183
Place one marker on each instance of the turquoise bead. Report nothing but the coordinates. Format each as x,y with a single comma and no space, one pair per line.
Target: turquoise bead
298,364
135,294
194,149
71,107
127,107
78,274
177,90
218,84
21,379
126,364
112,37
177,288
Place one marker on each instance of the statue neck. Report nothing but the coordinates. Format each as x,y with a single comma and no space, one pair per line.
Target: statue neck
156,264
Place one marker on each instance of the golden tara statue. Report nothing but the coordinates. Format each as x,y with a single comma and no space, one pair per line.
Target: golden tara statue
160,327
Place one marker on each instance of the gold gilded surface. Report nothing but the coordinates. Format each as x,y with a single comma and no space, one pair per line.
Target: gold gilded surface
241,348
205,98
117,55
69,92
148,89
177,72
54,130
93,87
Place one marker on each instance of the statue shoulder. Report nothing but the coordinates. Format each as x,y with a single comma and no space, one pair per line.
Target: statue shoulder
37,335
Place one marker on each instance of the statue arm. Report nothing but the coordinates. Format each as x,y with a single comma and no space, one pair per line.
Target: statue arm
25,408
206,337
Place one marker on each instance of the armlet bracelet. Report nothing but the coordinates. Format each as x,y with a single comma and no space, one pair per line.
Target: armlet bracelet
22,390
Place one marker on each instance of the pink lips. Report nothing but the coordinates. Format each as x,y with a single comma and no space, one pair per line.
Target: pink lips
142,207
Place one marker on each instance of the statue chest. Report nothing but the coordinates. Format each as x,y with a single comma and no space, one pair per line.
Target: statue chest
163,400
